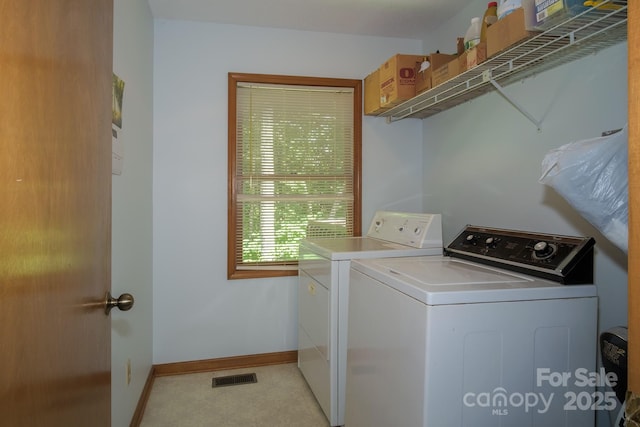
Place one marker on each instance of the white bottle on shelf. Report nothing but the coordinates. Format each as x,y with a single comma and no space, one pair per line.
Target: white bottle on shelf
472,37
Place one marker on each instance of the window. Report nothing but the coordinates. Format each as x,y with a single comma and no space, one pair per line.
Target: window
294,168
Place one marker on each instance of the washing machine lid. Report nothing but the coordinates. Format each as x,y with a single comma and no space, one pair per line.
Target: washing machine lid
445,280
347,248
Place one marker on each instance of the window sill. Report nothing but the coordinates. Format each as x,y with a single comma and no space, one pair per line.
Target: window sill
260,274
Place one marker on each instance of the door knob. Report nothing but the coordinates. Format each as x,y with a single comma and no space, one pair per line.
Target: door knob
124,302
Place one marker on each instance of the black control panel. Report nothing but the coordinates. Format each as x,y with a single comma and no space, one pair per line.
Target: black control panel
563,259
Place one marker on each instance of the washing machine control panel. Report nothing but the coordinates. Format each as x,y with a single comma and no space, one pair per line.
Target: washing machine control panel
564,259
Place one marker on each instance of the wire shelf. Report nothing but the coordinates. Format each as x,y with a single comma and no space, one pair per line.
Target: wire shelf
579,36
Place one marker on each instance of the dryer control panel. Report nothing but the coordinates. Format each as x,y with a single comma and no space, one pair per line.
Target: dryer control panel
418,230
564,259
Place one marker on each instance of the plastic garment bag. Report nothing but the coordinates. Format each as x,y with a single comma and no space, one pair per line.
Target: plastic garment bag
592,176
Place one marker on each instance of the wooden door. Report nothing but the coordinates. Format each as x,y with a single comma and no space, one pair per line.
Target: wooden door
55,211
633,396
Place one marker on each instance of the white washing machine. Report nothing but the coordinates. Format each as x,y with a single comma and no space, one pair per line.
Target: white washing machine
455,341
324,266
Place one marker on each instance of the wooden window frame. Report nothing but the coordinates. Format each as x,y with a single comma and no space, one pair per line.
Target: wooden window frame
232,211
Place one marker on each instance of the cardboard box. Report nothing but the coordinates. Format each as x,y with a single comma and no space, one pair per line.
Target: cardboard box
462,62
398,79
506,32
460,45
372,94
446,72
472,57
424,78
476,55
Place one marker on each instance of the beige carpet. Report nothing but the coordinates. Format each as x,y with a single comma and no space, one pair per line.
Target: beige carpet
281,397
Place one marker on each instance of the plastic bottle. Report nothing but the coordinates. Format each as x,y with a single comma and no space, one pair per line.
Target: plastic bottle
490,17
472,37
505,7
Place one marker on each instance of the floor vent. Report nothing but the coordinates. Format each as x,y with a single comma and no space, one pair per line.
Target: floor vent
234,380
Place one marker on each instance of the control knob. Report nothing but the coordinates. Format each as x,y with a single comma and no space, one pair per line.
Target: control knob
471,239
542,250
491,242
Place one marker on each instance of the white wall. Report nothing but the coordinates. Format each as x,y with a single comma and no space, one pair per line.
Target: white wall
198,313
131,337
483,159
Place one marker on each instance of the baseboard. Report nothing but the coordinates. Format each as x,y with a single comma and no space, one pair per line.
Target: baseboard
209,365
235,362
144,398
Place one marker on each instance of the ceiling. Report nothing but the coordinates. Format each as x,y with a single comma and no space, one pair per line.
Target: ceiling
386,18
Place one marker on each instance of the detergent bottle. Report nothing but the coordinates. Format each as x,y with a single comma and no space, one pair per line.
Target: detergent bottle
490,17
472,37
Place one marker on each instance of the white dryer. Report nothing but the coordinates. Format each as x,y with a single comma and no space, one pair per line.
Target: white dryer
323,292
456,341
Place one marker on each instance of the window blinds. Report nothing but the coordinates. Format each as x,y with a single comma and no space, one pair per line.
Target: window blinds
294,169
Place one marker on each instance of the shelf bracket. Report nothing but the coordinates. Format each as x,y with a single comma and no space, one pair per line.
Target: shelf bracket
524,112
